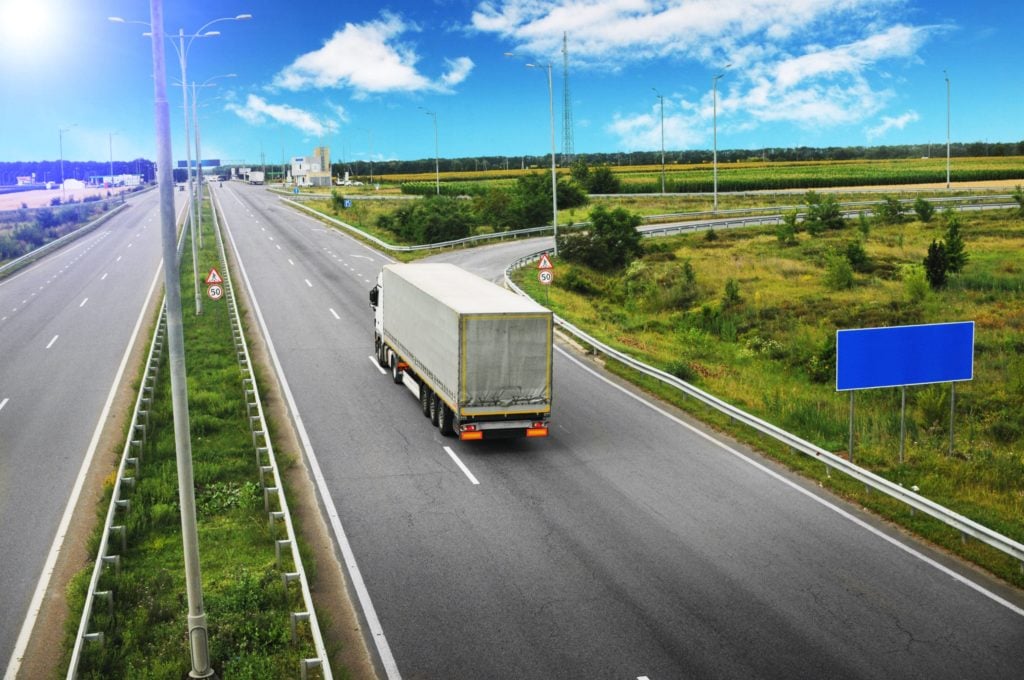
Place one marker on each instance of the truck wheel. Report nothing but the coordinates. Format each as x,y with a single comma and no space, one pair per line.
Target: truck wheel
396,375
445,420
435,406
426,396
382,357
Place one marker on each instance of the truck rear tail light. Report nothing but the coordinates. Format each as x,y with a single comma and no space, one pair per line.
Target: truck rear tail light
469,428
536,432
402,366
471,435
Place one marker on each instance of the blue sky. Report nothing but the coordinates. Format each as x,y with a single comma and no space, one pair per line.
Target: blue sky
360,76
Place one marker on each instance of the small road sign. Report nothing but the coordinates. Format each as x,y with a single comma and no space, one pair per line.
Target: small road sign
215,292
546,276
214,277
545,262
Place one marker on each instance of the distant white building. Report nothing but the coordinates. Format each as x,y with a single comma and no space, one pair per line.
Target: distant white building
312,171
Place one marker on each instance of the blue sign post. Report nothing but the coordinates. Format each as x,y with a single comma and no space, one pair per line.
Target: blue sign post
898,356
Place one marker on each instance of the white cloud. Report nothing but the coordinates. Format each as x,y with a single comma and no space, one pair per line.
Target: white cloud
892,123
369,58
683,128
256,110
815,63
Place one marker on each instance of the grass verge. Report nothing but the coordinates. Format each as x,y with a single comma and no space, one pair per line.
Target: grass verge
246,601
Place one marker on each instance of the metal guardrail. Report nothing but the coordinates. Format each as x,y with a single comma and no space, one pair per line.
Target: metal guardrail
966,526
30,257
266,463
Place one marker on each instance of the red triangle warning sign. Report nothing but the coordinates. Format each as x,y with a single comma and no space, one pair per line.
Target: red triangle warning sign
545,262
214,277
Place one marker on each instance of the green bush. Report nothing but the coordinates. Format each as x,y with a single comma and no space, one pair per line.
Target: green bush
915,282
610,242
925,210
838,272
891,211
936,264
857,256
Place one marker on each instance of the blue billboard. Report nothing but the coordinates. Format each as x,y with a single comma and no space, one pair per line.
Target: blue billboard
869,358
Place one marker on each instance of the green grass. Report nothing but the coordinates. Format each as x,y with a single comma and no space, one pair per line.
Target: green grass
245,599
772,354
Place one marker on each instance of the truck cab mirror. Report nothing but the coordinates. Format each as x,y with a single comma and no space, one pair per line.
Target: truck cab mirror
374,295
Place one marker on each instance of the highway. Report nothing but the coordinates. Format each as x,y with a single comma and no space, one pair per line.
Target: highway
65,326
631,544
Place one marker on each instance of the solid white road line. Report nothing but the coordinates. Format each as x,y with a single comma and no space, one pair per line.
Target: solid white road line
796,487
373,360
53,340
461,465
44,578
334,313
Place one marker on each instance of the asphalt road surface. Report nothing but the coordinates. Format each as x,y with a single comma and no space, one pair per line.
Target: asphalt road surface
630,544
65,326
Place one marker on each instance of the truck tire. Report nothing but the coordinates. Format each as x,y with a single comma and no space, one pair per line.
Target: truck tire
382,357
435,405
426,396
396,374
445,420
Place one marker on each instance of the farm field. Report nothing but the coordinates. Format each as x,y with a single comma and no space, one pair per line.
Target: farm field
753,321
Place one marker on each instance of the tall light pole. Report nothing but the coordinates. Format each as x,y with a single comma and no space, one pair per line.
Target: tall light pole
714,98
437,161
198,635
60,142
554,179
661,99
110,142
947,126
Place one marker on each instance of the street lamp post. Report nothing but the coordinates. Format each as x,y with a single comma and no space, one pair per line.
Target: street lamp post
437,161
554,180
947,127
110,142
661,99
714,97
60,142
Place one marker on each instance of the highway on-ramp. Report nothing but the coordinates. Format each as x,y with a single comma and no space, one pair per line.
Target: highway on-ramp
630,544
65,326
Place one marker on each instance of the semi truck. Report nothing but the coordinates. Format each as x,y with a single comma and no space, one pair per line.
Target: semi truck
477,356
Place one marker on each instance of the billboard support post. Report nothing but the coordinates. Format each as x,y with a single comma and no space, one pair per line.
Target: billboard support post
903,420
952,414
850,447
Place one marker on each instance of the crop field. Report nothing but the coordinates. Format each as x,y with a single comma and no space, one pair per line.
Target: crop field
754,322
762,175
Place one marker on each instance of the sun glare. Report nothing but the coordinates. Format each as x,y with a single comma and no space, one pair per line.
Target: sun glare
24,22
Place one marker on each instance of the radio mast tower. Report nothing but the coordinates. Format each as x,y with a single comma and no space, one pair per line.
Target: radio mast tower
567,143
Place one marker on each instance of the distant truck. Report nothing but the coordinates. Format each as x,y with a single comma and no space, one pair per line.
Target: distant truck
256,177
477,356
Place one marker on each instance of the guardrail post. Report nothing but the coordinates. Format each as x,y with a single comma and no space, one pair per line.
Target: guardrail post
306,664
268,491
295,618
108,596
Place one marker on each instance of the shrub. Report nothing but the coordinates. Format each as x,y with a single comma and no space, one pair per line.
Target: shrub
891,210
956,256
838,272
925,210
682,370
864,225
786,229
578,281
857,256
1018,195
823,212
710,235
601,180
936,265
915,282
337,201
610,242
731,298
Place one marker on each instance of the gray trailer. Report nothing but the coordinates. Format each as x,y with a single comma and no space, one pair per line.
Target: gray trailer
477,356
